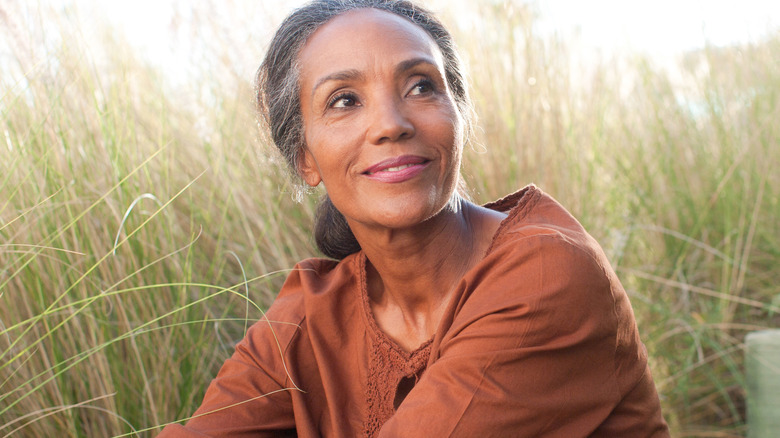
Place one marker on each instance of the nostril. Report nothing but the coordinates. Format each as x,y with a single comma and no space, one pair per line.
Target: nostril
390,123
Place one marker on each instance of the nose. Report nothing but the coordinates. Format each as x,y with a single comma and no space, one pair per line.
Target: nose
389,122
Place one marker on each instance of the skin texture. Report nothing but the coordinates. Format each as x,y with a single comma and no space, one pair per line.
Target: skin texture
373,96
534,338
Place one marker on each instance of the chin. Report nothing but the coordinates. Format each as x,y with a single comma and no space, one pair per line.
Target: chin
410,214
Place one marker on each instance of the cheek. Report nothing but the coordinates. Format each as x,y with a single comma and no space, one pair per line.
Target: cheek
331,151
449,131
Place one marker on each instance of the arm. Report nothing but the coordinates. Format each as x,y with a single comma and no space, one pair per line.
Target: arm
542,344
251,394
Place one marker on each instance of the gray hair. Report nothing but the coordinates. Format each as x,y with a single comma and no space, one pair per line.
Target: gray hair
278,94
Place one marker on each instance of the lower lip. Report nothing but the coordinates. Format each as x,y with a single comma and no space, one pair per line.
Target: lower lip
399,175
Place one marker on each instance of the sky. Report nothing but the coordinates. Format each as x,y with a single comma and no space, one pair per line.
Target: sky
662,26
162,30
656,26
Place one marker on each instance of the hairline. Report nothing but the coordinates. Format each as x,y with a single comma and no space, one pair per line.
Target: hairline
454,74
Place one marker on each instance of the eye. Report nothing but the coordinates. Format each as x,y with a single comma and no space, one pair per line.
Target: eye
423,86
343,100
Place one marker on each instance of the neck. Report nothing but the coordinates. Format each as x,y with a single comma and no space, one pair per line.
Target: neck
412,273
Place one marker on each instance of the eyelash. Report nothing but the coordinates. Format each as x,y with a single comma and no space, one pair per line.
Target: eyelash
340,96
425,82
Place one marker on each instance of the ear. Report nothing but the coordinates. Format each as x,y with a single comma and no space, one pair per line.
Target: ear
308,168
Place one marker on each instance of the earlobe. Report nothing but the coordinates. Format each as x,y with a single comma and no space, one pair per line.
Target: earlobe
308,168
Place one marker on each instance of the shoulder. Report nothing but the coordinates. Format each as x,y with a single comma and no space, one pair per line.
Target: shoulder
315,280
319,296
532,213
542,263
540,234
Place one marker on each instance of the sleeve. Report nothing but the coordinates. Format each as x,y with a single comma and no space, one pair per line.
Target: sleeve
251,394
532,350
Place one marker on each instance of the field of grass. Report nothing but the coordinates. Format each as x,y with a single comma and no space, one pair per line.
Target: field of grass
144,225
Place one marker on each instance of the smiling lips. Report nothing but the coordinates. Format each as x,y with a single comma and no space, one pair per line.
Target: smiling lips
399,169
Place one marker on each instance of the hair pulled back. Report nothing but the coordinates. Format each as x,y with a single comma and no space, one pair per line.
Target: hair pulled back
278,95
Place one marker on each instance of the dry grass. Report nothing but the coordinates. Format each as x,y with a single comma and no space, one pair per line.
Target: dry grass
142,226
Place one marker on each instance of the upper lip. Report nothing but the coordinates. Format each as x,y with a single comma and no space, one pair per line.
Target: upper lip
395,162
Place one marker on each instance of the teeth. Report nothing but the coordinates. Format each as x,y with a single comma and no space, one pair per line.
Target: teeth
397,168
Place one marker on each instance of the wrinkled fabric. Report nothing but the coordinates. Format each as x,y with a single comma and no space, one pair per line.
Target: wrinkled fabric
539,341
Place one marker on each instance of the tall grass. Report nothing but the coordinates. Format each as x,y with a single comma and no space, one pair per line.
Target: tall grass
137,240
143,227
673,172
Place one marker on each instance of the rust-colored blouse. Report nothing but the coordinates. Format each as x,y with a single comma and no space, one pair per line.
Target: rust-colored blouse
538,341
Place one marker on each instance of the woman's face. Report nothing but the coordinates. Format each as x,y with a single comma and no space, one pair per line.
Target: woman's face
381,127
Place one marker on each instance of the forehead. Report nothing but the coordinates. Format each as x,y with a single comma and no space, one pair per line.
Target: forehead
350,38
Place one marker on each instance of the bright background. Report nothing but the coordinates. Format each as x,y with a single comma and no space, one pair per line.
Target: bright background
145,221
163,30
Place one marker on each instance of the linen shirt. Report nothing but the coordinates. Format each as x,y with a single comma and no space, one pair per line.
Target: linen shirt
539,340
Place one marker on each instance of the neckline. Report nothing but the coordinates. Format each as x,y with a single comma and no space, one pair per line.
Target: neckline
515,205
371,321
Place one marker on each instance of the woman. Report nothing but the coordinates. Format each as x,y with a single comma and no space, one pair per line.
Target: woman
441,317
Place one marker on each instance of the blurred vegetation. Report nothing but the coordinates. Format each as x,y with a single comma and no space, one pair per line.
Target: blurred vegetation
144,224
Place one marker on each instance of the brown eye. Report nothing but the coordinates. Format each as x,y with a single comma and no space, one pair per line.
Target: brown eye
422,87
343,100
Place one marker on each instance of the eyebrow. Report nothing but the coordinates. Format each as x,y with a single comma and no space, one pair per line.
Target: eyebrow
338,76
414,62
356,74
